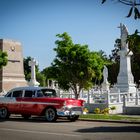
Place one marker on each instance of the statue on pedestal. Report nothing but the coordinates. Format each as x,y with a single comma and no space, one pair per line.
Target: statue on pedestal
125,79
124,34
105,84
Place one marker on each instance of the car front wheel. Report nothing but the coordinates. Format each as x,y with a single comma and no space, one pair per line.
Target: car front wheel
50,115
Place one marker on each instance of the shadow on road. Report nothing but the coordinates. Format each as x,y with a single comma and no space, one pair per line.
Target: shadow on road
110,129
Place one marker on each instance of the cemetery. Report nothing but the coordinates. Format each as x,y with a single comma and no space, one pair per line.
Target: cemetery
124,95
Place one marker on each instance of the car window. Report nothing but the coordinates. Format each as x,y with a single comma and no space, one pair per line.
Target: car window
29,93
39,93
9,94
49,92
17,93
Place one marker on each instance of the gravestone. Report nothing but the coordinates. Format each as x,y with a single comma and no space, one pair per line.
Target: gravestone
12,75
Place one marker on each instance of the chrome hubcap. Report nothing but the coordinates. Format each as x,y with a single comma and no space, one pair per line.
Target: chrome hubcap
50,114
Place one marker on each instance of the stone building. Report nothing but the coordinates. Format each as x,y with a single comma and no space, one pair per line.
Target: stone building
12,75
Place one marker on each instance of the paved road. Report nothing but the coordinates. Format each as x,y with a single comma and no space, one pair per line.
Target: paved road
38,129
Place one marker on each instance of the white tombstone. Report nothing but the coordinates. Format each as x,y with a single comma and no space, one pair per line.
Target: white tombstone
33,81
125,79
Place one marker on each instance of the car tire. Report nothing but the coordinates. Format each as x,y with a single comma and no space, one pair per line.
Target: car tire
4,114
73,118
50,115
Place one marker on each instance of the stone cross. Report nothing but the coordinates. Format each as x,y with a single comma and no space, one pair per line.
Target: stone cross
33,63
33,81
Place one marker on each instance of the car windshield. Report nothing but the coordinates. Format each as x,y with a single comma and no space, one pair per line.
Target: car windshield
49,92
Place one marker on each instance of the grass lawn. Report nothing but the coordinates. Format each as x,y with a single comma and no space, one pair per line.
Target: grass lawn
110,117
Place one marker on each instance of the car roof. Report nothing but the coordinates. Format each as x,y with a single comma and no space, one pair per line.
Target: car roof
30,88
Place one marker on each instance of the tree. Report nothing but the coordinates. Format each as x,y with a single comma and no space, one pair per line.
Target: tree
3,59
113,69
27,68
49,73
133,7
134,41
134,46
74,65
41,78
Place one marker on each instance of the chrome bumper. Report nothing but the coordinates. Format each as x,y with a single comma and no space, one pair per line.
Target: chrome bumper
70,111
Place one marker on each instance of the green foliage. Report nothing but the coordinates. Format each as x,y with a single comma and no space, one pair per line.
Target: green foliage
41,79
3,59
74,65
105,111
134,41
134,46
27,68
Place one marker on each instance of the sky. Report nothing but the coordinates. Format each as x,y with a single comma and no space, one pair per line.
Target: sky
35,24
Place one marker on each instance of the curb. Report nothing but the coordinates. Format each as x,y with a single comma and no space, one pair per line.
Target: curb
111,121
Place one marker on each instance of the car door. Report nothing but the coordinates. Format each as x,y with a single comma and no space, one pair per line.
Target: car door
14,105
28,102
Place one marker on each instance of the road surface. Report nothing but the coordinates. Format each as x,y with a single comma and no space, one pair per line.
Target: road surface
16,128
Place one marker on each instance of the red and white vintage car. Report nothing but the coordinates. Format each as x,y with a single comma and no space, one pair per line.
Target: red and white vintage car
39,101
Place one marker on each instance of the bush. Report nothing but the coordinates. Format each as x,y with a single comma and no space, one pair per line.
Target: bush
97,111
105,111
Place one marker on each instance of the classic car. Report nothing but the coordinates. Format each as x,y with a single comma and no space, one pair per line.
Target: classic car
39,101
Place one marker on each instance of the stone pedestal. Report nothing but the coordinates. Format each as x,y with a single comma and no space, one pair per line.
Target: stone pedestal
105,86
12,75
